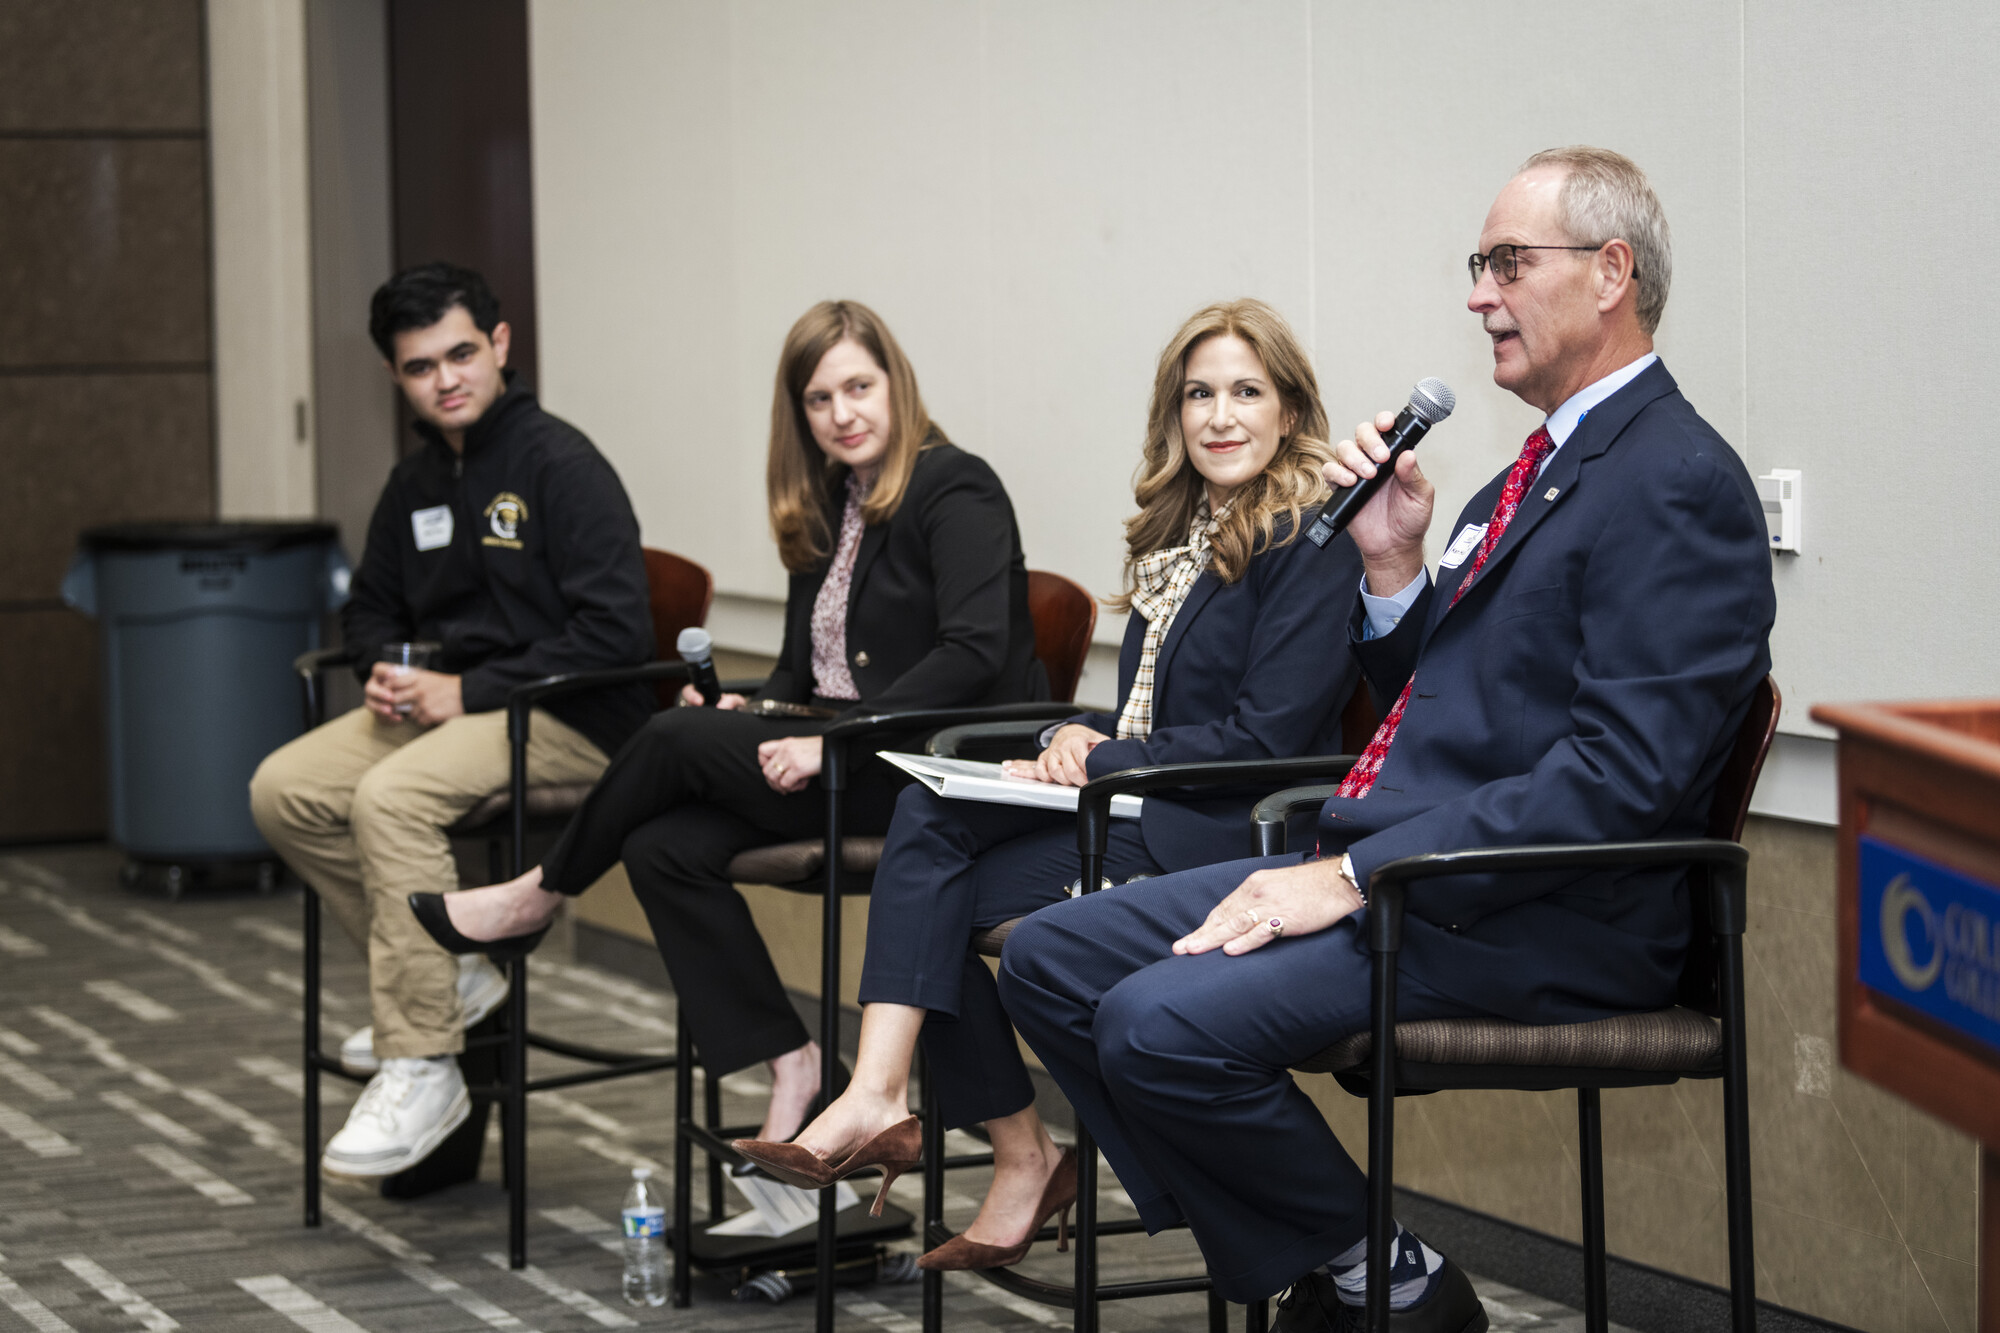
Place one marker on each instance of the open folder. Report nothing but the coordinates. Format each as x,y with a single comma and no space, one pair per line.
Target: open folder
978,780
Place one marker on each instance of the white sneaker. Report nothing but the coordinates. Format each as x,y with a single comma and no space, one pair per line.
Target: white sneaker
481,989
404,1113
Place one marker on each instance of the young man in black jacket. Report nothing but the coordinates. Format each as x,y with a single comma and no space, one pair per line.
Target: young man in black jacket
507,542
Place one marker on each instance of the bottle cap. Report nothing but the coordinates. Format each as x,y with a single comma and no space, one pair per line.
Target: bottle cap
642,1173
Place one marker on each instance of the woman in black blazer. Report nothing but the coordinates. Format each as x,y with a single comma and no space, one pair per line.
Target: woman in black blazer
1236,649
908,590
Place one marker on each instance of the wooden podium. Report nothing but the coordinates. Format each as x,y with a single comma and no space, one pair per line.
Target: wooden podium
1920,923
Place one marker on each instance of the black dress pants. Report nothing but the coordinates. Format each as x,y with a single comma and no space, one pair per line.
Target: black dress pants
951,869
681,799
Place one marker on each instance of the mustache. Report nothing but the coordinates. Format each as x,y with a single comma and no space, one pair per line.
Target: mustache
1495,326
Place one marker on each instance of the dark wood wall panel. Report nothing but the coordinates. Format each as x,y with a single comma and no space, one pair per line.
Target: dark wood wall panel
52,727
105,385
96,449
458,90
107,252
126,65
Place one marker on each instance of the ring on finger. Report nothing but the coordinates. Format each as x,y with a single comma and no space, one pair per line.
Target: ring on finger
1276,925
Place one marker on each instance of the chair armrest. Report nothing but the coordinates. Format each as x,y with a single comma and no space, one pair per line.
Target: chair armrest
947,743
323,659
1093,802
1274,810
1388,887
310,667
522,698
844,737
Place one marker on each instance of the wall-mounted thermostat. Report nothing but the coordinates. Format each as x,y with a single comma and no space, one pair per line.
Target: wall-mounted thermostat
1780,489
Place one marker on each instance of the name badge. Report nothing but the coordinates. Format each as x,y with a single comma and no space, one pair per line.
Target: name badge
1463,545
431,527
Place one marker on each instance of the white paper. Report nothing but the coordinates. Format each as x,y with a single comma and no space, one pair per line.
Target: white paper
778,1209
980,780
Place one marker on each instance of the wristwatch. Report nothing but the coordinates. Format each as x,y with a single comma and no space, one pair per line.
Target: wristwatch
1347,873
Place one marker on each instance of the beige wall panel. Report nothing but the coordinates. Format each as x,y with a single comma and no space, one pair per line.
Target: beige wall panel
1407,163
1142,161
91,449
51,727
106,256
1033,232
100,64
636,265
1871,208
259,154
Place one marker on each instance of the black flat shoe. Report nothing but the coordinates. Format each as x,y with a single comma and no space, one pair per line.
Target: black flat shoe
430,913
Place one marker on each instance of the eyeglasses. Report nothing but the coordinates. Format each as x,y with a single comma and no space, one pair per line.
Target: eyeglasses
1505,260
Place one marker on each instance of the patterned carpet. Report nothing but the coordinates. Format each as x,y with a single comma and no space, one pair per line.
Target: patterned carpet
150,1150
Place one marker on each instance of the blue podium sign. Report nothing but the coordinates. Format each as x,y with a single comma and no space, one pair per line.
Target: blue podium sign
1929,940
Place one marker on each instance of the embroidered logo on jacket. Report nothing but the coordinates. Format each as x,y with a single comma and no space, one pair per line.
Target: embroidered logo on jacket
505,515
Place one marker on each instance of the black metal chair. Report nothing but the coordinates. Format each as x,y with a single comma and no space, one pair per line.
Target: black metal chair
679,593
495,1057
1701,1037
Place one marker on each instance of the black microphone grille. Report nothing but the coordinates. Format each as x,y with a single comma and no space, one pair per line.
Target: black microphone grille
692,644
1432,400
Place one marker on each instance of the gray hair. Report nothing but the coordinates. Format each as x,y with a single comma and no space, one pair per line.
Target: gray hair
1605,197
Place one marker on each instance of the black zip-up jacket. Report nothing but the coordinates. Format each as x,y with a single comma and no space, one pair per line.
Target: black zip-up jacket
521,558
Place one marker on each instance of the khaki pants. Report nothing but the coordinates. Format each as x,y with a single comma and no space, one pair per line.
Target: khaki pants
358,807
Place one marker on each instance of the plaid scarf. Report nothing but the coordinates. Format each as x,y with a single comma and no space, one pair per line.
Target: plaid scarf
1163,578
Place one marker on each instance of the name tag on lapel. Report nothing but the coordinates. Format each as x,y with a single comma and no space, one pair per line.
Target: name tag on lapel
1463,545
431,527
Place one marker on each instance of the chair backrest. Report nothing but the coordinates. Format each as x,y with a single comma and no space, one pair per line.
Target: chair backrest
679,592
1358,719
1701,984
1738,781
1065,617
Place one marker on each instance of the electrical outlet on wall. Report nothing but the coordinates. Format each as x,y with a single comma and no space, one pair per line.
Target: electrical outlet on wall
1782,492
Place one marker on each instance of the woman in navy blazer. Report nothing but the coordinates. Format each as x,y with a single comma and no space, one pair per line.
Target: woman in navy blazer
1236,649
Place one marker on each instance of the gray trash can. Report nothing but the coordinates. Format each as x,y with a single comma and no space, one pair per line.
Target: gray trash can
200,623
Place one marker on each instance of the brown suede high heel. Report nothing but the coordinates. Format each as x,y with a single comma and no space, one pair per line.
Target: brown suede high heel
1057,1197
896,1149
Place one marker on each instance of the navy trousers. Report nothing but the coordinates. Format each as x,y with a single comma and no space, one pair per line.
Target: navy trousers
1179,1065
949,870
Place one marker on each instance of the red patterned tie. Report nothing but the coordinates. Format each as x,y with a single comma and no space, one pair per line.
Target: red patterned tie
1361,778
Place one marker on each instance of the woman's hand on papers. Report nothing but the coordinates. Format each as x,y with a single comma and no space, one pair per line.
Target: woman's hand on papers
1062,762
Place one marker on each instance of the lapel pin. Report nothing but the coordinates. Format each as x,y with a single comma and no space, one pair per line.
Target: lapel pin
1551,493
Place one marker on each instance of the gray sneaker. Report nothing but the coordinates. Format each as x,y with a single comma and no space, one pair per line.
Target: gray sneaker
405,1112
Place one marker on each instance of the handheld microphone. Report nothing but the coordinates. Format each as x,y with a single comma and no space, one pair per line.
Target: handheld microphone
696,650
1430,402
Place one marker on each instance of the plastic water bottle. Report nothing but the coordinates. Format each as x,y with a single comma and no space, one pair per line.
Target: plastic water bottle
645,1241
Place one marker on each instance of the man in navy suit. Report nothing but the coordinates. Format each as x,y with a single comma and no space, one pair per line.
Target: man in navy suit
1575,673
